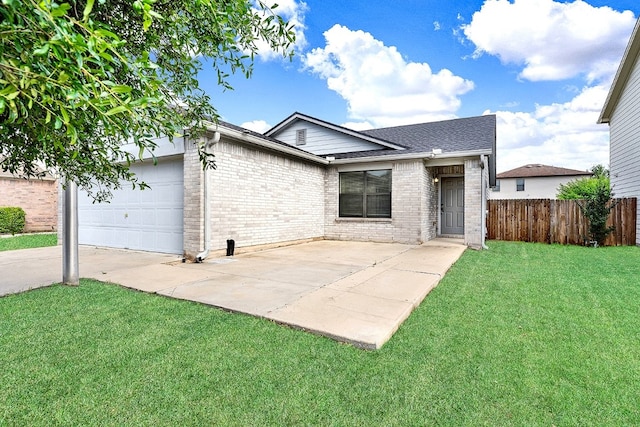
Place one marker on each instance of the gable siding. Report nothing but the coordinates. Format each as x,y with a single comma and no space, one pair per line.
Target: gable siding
625,142
321,141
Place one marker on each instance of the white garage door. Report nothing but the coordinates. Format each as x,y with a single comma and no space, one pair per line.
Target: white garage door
148,220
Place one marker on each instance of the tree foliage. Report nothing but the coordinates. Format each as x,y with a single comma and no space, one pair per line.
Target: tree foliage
585,188
79,78
596,208
594,196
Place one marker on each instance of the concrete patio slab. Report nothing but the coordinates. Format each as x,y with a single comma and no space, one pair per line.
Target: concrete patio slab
151,278
363,320
241,294
356,292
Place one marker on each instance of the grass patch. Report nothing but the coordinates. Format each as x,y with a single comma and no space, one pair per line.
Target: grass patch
522,334
27,241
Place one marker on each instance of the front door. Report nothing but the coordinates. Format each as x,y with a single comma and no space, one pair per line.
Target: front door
452,207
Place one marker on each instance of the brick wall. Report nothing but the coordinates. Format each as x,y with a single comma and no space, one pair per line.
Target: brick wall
409,213
430,217
473,227
193,234
38,199
258,197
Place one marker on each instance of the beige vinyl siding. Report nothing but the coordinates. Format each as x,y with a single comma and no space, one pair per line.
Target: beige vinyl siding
625,141
322,141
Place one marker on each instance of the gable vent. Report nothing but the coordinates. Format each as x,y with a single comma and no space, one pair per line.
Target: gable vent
301,137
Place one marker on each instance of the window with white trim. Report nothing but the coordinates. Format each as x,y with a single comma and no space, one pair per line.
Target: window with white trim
520,184
365,194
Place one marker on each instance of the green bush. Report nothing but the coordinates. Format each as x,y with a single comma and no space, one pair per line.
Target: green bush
11,220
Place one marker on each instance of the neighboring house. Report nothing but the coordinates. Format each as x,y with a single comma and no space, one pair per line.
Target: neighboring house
305,179
622,112
37,197
533,182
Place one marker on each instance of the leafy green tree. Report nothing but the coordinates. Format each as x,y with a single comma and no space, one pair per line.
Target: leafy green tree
79,78
594,196
596,208
585,188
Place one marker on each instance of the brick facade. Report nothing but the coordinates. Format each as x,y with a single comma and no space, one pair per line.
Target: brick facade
255,198
193,214
259,197
412,217
473,227
37,197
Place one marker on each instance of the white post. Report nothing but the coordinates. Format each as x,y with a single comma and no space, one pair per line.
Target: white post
70,269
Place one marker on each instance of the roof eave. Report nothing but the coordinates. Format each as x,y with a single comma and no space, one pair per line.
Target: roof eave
412,156
622,75
254,140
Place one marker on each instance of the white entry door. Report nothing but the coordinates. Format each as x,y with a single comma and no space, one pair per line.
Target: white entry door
148,220
452,208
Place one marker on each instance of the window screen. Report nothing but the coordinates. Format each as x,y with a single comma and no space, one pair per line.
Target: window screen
365,194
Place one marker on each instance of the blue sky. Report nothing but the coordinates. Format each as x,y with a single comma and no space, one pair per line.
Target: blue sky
543,67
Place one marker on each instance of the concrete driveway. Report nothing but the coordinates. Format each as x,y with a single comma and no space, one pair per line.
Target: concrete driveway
356,292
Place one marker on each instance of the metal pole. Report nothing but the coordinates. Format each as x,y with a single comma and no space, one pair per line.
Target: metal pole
70,266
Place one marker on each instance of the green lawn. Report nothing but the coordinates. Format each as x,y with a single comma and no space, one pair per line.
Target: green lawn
27,241
522,334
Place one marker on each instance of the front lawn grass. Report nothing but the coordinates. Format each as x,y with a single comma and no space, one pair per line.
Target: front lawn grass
27,241
521,334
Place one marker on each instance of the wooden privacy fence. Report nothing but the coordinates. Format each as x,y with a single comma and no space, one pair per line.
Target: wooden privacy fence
556,221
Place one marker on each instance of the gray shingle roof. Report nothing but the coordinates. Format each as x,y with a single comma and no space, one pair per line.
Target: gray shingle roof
537,170
456,135
472,133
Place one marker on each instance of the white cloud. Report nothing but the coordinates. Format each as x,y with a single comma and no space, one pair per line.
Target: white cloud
257,126
293,12
379,85
552,40
357,125
564,135
436,26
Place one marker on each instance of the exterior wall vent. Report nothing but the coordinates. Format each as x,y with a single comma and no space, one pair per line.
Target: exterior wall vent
301,137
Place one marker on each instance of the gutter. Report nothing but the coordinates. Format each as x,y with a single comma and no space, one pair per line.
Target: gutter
412,156
207,226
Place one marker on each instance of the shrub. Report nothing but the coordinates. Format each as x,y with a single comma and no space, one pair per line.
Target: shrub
11,220
597,209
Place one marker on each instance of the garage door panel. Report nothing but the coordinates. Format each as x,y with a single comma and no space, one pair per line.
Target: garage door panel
150,219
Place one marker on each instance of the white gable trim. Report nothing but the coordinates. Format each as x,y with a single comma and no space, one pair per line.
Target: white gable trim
297,116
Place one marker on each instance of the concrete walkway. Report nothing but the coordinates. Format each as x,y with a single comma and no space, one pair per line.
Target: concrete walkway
356,292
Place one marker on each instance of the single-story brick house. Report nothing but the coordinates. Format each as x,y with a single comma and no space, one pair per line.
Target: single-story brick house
37,197
305,179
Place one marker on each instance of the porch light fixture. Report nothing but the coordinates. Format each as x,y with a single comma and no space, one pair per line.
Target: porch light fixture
435,180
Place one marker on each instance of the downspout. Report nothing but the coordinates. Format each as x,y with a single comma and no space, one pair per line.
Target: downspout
483,200
207,226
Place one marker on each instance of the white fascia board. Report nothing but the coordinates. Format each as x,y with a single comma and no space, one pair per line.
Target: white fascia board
411,156
254,140
164,148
